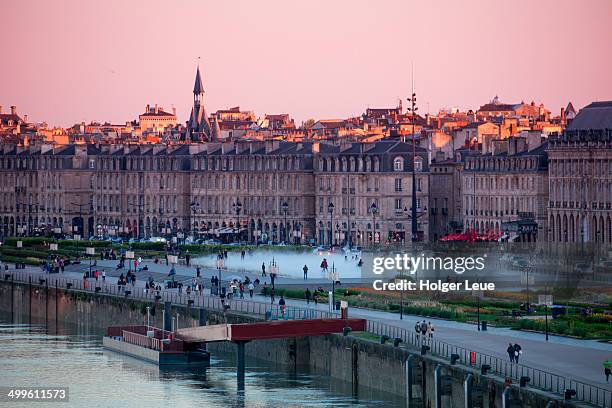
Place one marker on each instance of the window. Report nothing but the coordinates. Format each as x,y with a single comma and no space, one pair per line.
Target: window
398,203
398,184
418,164
398,164
92,164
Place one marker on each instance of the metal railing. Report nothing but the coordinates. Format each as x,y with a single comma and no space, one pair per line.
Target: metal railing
539,379
141,340
196,300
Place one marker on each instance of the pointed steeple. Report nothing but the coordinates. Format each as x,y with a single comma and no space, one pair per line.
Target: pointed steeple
198,88
215,134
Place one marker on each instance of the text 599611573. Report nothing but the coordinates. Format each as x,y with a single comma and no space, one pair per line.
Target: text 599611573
33,394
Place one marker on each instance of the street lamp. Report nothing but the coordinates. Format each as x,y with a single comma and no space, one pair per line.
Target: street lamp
237,206
285,208
373,210
411,213
195,208
413,108
330,210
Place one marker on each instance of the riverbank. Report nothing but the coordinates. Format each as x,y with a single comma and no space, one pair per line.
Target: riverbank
350,359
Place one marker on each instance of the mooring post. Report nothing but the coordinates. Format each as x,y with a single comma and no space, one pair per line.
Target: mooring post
438,386
202,317
167,316
467,390
505,397
240,362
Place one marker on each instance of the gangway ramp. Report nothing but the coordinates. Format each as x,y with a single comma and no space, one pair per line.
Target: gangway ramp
268,330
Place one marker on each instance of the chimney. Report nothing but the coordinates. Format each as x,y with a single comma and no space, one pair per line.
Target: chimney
25,118
562,115
13,110
1,110
156,109
147,109
174,111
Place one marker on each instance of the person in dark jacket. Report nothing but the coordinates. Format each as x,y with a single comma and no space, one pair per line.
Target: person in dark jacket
510,351
517,352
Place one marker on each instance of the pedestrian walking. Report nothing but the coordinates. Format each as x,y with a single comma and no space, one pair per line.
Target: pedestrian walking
430,330
103,276
517,352
251,288
307,296
424,329
281,303
607,365
510,351
305,269
263,269
272,293
198,271
241,287
265,289
417,329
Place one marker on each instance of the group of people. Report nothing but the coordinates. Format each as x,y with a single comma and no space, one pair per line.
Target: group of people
514,352
55,265
314,295
124,280
425,329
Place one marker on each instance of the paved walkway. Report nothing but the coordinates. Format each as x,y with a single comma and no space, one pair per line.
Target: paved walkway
579,359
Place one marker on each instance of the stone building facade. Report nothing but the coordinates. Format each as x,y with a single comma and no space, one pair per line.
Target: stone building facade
350,178
580,204
445,197
254,191
507,191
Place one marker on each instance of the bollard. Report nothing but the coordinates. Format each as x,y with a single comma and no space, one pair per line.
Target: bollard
346,331
201,317
167,316
454,358
397,341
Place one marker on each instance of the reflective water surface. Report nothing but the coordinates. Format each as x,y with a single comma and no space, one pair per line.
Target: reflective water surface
32,354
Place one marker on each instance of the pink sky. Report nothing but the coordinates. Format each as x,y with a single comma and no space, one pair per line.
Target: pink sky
68,61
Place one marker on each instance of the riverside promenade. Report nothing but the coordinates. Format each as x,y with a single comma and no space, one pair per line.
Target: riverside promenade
577,362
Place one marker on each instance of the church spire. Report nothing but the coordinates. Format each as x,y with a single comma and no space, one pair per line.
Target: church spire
198,88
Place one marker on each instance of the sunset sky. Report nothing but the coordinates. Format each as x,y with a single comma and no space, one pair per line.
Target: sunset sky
69,61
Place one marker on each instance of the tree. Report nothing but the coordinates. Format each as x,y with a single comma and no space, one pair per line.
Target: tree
309,123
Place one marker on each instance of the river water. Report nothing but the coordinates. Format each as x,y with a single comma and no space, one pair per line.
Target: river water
35,355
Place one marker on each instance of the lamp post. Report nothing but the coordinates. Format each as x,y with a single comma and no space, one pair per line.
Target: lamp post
140,207
410,213
330,210
373,210
413,108
285,207
195,208
333,276
237,206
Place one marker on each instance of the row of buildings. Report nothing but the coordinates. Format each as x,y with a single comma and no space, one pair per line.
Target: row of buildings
529,187
448,130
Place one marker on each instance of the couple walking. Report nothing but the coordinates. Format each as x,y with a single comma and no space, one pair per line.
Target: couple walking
514,352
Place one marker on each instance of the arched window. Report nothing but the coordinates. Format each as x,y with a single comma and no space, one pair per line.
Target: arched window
418,164
398,164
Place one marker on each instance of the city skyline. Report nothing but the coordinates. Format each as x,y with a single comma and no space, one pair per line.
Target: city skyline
306,61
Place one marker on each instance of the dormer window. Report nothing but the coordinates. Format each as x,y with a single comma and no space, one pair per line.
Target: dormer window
398,164
418,164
